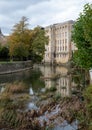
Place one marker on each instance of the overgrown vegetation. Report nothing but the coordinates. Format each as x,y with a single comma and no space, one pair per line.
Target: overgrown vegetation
88,99
11,100
51,89
82,37
16,88
57,96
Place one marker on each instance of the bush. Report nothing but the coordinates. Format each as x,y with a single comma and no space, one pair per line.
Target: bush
16,88
53,88
57,96
88,101
5,100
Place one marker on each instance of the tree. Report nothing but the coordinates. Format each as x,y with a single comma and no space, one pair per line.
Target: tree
38,43
19,40
4,52
82,37
27,43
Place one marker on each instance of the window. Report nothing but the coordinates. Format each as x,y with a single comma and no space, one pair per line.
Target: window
65,40
66,48
65,26
60,48
65,34
60,42
63,48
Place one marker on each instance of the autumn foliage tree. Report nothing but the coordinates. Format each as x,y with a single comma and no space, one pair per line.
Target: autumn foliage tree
19,40
26,43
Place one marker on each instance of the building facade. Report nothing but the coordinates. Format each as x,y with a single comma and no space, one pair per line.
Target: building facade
59,48
3,39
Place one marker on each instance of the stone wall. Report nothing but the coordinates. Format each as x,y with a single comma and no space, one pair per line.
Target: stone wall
10,67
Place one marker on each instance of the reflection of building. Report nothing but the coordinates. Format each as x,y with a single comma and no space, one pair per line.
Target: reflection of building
59,48
2,87
48,73
90,72
62,81
64,85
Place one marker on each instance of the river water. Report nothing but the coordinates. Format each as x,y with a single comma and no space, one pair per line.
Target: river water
39,79
42,77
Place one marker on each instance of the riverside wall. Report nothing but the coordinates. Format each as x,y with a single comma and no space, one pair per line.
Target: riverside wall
13,67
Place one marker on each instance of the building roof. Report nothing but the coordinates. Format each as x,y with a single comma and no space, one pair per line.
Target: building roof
62,23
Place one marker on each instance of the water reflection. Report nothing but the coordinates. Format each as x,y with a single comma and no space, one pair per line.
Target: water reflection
31,91
47,76
58,76
62,79
30,77
2,88
90,72
64,85
42,77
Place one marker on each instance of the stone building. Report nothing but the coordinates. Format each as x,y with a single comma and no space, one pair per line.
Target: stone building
3,39
60,47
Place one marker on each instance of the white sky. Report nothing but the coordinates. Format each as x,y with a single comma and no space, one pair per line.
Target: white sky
39,12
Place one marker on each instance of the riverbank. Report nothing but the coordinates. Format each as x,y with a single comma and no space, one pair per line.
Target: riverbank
35,103
50,112
14,67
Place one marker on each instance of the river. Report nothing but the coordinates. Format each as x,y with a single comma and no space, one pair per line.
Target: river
40,78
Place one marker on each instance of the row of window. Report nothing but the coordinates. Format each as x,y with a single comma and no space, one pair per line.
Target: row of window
58,28
61,41
58,48
61,48
61,27
60,34
63,81
61,55
57,55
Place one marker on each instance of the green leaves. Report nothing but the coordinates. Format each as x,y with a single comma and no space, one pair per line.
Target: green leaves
39,41
82,37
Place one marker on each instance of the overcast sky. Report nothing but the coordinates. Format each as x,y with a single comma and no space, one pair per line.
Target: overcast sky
39,12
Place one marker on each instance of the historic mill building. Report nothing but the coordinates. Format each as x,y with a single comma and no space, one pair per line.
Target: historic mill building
60,47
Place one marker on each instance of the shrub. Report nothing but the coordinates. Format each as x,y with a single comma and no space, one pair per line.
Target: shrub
16,88
57,96
53,88
5,99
